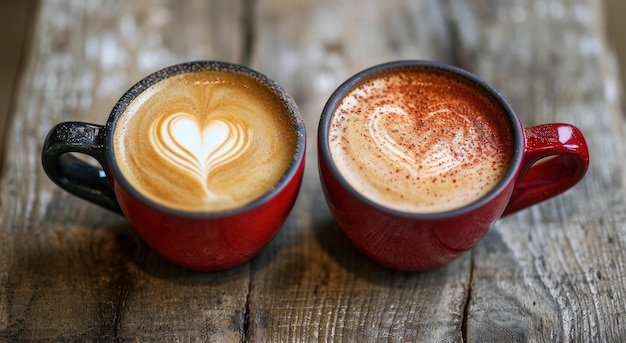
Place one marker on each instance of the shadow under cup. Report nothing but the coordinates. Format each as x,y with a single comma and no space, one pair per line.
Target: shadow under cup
398,234
195,238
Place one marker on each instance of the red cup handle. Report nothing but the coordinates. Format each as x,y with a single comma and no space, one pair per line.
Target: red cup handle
555,159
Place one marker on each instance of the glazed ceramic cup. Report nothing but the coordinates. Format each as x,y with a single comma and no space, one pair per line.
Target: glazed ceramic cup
201,240
413,241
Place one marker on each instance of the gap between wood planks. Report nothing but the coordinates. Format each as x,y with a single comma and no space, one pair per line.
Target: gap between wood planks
468,300
613,91
20,18
245,335
248,23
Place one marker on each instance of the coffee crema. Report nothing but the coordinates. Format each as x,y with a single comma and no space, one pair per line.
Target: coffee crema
205,141
420,140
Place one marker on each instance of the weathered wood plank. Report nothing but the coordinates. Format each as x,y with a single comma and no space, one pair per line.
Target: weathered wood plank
553,272
70,269
312,285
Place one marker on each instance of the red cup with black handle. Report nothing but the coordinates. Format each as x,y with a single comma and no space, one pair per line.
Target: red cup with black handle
204,159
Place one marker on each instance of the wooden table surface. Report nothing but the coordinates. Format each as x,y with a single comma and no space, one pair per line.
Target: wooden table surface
70,270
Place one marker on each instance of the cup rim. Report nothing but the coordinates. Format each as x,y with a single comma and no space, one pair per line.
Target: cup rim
191,67
358,78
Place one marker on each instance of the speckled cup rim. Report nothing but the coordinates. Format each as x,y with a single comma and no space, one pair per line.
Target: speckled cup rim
400,66
200,66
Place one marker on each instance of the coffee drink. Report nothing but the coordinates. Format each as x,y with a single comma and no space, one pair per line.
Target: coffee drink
420,140
205,141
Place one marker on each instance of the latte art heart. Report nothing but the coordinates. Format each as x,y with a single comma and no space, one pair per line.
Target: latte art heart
198,149
206,141
424,151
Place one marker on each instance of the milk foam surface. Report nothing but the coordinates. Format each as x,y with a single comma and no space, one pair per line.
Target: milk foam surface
420,141
205,141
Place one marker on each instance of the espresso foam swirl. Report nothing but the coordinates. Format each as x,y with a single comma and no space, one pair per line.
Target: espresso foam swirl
181,140
420,141
428,152
205,141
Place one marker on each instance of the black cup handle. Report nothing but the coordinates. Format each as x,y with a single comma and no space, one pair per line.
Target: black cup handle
72,174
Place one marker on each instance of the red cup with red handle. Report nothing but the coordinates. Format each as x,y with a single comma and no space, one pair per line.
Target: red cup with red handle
204,159
418,160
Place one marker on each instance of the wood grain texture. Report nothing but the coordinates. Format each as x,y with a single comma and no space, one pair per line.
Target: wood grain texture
551,273
555,272
71,270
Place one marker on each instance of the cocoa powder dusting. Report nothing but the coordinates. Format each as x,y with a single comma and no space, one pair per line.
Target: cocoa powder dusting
448,138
